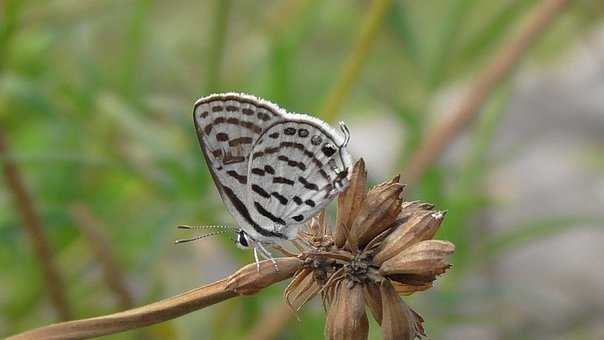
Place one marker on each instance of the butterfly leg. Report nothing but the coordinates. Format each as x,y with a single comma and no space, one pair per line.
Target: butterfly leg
256,258
268,255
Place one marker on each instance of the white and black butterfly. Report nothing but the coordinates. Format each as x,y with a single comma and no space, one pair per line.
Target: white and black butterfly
273,169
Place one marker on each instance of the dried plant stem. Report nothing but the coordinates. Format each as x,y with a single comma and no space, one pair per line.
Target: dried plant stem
245,281
33,228
91,229
351,68
485,83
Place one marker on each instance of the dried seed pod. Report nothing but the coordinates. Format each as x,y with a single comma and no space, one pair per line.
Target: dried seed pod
420,226
382,205
426,258
373,299
350,202
346,318
398,322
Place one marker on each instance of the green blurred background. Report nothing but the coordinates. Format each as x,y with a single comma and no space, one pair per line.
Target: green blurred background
95,104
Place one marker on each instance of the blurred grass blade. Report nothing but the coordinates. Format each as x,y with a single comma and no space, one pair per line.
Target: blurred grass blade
215,51
450,29
351,69
398,20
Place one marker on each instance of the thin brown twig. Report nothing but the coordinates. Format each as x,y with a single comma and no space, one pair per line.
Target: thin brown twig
248,280
484,85
33,227
91,229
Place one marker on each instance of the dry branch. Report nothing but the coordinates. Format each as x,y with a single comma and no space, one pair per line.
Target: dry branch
485,83
33,228
245,281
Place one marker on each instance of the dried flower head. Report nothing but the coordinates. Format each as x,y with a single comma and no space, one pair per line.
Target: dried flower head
382,248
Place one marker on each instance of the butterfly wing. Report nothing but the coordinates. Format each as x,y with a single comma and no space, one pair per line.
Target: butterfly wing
228,125
296,168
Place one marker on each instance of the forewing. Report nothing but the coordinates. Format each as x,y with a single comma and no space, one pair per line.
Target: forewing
228,125
293,172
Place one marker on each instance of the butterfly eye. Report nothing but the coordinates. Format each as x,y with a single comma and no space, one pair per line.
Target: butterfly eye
242,241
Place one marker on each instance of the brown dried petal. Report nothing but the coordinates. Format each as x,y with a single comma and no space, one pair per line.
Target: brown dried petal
248,280
408,289
307,289
424,258
419,227
373,299
350,202
382,205
398,322
413,207
346,318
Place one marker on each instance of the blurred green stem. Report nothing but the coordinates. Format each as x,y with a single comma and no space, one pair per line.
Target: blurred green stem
217,43
352,67
8,25
134,41
33,227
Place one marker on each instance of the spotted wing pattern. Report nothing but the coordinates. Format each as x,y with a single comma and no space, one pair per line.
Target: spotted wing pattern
227,127
273,169
296,168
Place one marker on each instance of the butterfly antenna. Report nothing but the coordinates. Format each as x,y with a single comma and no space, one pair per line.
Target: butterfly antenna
202,227
199,237
346,132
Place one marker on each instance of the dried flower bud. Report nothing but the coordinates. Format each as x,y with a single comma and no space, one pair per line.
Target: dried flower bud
426,258
420,226
382,205
350,202
346,318
398,321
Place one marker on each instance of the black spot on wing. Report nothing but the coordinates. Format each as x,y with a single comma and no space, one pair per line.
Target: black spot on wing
240,140
222,137
328,150
292,163
267,214
257,171
303,133
269,169
290,131
279,197
283,180
274,135
257,189
240,178
298,218
307,184
298,200
241,208
310,203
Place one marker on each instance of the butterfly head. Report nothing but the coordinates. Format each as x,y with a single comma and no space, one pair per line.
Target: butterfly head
243,240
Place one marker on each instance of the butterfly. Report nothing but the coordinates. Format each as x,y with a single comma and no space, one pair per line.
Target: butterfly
274,169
